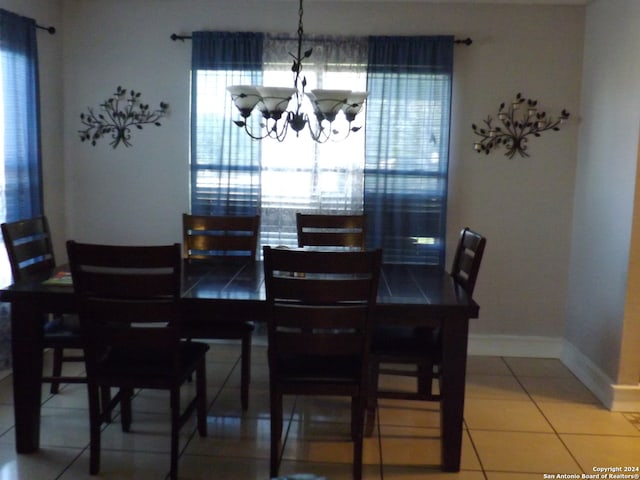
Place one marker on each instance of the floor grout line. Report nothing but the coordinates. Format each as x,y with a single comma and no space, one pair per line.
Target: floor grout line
388,470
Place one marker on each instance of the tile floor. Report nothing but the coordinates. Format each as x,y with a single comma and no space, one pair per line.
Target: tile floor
524,418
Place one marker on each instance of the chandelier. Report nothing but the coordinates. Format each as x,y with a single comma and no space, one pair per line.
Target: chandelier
273,102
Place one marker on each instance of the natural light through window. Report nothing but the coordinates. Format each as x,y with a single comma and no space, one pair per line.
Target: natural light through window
5,271
3,212
297,174
307,175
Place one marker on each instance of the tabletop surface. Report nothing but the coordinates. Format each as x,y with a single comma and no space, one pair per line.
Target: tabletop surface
400,284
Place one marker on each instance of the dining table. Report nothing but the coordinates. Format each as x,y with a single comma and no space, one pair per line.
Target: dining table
408,294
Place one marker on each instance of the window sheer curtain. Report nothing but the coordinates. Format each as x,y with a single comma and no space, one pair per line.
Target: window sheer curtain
20,175
407,150
22,193
300,175
225,162
395,170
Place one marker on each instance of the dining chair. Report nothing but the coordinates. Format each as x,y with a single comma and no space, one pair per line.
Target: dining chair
322,230
223,239
130,323
399,351
319,320
30,252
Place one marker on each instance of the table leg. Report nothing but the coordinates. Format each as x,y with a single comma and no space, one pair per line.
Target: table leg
452,384
26,344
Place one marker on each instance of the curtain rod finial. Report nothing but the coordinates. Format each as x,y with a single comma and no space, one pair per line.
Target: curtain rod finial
175,36
51,30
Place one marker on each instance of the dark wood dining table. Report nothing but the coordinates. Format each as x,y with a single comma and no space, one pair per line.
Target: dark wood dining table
408,295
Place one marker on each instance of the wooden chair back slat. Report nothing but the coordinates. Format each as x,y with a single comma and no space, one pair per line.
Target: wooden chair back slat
467,259
216,237
321,345
323,291
331,230
123,285
343,316
29,247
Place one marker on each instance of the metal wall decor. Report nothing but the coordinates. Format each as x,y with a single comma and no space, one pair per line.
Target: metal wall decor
518,120
120,113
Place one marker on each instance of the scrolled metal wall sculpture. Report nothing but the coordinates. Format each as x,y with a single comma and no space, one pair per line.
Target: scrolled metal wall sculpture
120,114
519,120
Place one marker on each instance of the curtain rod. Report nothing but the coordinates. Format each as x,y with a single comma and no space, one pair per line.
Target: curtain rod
174,36
51,30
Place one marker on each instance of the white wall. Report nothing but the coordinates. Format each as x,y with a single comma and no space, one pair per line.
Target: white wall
523,206
598,328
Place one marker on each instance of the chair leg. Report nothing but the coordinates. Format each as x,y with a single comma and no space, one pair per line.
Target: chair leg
245,375
354,424
175,430
201,392
372,398
425,378
358,406
125,408
276,432
57,368
95,423
105,395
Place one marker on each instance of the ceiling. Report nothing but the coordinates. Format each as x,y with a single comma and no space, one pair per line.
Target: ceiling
478,2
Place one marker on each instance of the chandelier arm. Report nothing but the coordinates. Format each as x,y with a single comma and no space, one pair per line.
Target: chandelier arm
349,130
251,134
272,132
283,133
318,136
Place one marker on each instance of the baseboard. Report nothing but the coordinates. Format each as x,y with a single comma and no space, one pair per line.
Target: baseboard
515,346
617,398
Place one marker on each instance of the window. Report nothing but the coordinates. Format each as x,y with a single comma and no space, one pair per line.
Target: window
5,270
300,174
20,182
394,170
